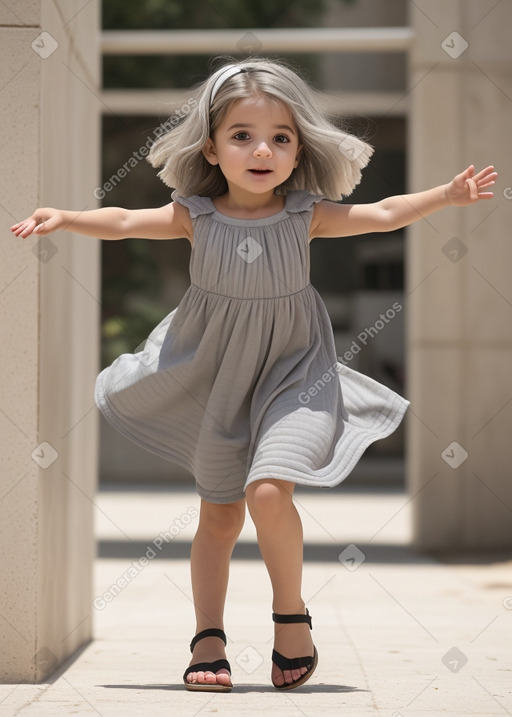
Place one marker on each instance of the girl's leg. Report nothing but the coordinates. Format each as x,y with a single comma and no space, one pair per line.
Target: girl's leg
217,532
279,529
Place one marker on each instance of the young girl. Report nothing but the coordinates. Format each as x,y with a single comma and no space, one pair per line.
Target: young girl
240,383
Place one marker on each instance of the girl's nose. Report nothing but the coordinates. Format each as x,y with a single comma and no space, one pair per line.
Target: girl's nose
262,150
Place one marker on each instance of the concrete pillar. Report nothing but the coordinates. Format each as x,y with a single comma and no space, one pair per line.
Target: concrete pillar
459,295
49,303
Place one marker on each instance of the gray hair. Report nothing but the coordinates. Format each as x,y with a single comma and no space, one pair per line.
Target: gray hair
331,159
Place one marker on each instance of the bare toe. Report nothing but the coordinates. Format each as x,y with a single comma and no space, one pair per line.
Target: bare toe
223,677
278,677
192,677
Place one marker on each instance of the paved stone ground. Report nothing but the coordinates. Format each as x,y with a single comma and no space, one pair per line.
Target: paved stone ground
398,634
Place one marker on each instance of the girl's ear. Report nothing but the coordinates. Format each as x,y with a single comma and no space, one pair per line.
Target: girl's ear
298,156
209,152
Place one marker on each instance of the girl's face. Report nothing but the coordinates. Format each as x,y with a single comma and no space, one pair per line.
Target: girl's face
256,145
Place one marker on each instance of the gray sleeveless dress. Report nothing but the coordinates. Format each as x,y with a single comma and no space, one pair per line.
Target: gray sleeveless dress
241,381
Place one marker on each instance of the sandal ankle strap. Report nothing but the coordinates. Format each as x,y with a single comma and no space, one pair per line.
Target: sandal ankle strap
276,617
210,632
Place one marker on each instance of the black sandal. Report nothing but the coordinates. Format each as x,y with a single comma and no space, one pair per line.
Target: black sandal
294,663
208,666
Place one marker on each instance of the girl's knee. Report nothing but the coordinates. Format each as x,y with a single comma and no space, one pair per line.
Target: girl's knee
223,520
267,498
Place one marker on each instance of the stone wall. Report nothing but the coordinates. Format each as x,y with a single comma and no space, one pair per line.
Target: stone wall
459,297
49,303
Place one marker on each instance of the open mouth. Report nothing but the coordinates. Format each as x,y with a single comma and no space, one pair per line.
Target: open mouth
260,171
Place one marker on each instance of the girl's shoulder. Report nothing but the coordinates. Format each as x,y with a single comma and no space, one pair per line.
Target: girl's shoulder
298,200
195,204
301,200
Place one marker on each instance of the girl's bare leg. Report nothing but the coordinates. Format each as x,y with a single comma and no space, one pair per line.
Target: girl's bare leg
217,532
279,529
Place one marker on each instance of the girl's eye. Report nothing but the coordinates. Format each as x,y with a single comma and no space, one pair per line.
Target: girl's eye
281,139
241,135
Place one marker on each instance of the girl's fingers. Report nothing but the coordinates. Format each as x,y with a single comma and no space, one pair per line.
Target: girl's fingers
35,225
486,172
473,189
29,228
486,178
23,228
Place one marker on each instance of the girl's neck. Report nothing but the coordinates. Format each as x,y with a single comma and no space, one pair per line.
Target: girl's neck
248,205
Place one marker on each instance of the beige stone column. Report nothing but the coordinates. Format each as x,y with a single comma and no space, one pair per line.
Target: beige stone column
459,292
49,303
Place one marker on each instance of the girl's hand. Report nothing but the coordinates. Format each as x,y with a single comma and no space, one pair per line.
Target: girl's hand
466,188
42,221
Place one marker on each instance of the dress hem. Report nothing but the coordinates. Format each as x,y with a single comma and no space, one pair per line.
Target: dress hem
358,447
105,408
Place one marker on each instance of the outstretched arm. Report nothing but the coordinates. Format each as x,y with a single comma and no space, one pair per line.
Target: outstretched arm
171,221
337,220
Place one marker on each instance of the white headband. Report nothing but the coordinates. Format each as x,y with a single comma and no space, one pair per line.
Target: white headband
228,72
